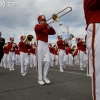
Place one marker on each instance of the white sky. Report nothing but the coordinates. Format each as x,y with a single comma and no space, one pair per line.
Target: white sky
22,17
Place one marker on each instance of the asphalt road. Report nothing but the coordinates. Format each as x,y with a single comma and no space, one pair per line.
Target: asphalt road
72,84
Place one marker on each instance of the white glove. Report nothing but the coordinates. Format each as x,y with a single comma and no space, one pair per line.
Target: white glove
49,26
50,21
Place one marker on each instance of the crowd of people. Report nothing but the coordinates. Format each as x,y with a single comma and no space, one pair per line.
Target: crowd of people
36,54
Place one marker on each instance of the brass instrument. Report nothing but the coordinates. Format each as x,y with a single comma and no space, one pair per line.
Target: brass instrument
13,47
71,36
29,38
67,40
55,17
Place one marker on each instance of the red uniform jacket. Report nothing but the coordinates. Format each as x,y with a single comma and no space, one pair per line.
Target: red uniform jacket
81,46
51,50
69,50
17,51
56,51
12,45
42,31
75,52
23,47
32,50
61,44
92,11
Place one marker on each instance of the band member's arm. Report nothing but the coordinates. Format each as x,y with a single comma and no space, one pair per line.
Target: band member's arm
40,27
51,31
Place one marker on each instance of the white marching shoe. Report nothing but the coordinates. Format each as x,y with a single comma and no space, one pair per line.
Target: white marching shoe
81,69
13,69
46,80
89,75
41,82
23,74
61,70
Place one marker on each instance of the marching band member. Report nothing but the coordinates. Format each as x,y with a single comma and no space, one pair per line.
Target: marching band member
51,54
42,30
24,58
70,57
6,52
67,57
17,52
61,53
56,54
92,16
80,46
11,56
32,56
75,52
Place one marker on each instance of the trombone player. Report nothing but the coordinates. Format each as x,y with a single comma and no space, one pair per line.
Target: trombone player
42,30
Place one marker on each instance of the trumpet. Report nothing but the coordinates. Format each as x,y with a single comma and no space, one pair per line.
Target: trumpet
55,17
29,38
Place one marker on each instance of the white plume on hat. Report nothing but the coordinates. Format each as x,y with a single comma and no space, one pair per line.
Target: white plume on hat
59,33
23,34
11,35
41,13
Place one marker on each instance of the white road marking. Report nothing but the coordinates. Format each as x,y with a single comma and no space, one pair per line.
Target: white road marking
69,72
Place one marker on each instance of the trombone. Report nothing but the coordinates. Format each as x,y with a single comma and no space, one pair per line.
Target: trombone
55,17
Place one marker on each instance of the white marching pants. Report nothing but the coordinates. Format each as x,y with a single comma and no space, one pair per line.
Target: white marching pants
24,60
11,60
5,60
43,57
52,59
56,59
70,59
75,59
32,60
17,59
89,67
81,58
93,46
67,59
61,58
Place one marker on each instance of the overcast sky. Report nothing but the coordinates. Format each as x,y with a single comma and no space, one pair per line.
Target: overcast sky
18,16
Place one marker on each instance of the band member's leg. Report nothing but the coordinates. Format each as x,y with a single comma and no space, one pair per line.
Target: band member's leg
22,62
93,38
40,58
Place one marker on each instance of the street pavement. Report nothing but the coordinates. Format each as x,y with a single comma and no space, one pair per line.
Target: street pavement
72,84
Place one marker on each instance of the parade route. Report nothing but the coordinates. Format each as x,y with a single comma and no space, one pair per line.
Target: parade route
72,84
